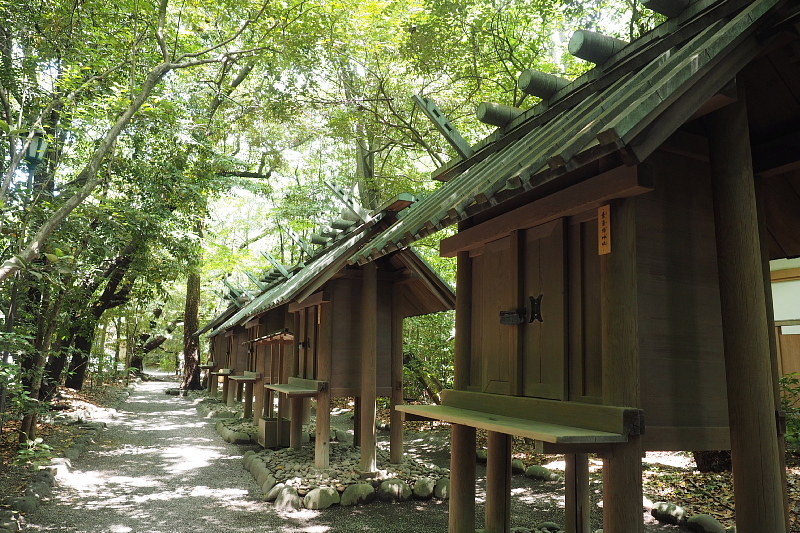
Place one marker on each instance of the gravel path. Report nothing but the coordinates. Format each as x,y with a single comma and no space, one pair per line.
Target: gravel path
159,467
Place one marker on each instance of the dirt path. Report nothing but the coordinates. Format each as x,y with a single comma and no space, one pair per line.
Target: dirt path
159,467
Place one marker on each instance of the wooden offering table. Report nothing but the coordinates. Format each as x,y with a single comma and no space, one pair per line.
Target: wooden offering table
214,380
207,368
247,380
296,389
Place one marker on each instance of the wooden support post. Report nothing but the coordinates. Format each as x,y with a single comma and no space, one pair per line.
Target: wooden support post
296,425
281,416
293,363
774,348
357,421
239,387
463,321
396,420
760,504
622,469
577,501
227,392
498,482
462,479
213,383
259,392
248,400
323,435
369,351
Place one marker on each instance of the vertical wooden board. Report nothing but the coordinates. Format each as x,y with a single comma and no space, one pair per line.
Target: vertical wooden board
575,303
345,340
463,343
476,330
496,343
384,355
544,343
242,350
592,355
300,341
313,340
679,304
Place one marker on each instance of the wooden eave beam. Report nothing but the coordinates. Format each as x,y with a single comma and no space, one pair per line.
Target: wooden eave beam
621,182
315,299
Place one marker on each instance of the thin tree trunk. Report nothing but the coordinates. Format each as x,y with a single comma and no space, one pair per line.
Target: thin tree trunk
191,342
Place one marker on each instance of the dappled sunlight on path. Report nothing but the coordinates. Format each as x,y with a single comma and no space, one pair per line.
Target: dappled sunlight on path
161,468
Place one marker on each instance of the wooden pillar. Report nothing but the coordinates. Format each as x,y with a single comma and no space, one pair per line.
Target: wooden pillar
462,445
577,501
296,426
462,479
239,388
756,464
369,350
213,383
498,482
357,421
281,415
622,469
774,347
396,420
258,387
463,342
227,393
323,435
248,400
293,362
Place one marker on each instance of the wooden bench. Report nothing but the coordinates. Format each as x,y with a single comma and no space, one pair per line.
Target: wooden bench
576,424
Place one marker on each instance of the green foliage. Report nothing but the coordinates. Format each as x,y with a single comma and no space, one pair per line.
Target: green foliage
428,345
33,453
790,403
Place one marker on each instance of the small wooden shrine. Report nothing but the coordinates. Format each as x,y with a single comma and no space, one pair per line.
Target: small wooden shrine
342,331
613,285
248,355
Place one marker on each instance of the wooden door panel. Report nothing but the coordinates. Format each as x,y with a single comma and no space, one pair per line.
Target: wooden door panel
493,291
544,342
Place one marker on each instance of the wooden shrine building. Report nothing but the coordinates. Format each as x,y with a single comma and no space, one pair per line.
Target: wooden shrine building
613,286
344,324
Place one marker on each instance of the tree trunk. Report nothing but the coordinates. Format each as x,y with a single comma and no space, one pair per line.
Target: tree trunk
191,342
82,348
713,461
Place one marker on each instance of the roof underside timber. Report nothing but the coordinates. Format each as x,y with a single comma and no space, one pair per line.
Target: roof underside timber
623,111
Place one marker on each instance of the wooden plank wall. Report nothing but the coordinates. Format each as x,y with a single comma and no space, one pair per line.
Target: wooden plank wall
682,360
345,294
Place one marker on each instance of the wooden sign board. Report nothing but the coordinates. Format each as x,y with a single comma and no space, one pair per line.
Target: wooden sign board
604,230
